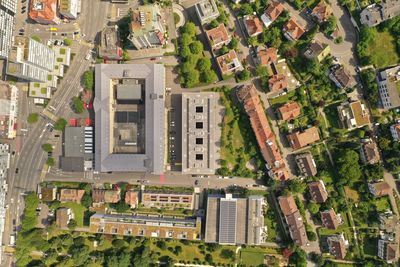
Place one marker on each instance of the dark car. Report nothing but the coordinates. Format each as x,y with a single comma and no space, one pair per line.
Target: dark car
153,58
16,170
196,182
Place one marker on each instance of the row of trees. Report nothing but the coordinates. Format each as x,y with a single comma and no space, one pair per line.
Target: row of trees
195,67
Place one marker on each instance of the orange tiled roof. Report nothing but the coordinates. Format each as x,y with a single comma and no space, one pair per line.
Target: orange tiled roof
294,28
301,139
289,110
265,137
274,10
225,60
322,11
277,82
253,25
218,35
267,56
47,13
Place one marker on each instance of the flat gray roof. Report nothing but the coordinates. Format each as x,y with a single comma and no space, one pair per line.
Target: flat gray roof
227,221
153,159
129,91
74,141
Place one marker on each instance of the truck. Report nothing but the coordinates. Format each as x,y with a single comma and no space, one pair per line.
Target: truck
12,240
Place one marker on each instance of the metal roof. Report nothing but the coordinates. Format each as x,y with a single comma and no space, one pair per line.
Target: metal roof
227,221
74,140
153,160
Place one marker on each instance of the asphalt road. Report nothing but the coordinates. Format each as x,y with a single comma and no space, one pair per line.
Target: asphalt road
31,158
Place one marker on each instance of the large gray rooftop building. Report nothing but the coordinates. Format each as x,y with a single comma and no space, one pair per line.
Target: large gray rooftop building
200,132
130,118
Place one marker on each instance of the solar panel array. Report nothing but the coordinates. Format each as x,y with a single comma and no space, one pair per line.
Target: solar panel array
227,221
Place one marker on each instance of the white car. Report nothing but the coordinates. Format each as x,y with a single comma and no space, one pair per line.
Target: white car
88,56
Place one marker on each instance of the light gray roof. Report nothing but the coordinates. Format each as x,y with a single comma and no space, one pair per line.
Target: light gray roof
74,140
153,160
227,221
129,91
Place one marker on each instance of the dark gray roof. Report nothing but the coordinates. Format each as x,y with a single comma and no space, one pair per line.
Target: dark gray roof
129,91
227,221
153,160
74,141
72,164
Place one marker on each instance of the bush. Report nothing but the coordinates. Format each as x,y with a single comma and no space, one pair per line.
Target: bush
50,162
47,147
72,224
67,42
88,79
33,118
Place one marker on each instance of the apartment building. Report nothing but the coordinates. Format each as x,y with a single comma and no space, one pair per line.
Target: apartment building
353,115
318,191
69,8
166,197
8,110
376,13
110,47
148,226
218,37
6,26
306,164
337,246
206,11
388,81
30,60
229,63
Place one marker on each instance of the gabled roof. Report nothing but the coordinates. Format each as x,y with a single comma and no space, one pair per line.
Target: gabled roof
289,110
301,139
322,11
218,35
337,246
71,195
287,205
229,62
294,29
277,83
371,152
267,56
318,191
253,25
43,10
380,189
329,219
274,10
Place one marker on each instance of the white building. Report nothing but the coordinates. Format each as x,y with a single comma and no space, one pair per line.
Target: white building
30,60
4,165
387,82
8,110
6,32
10,5
69,8
206,11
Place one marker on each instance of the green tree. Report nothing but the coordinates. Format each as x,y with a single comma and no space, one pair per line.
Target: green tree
297,186
203,64
60,124
161,244
246,9
33,118
88,79
189,28
125,55
329,26
122,207
186,39
373,172
313,207
67,42
208,76
271,37
80,255
196,47
348,167
234,43
262,71
77,105
298,258
252,41
192,78
371,87
47,147
228,254
244,75
86,200
50,162
224,50
209,258
213,24
72,224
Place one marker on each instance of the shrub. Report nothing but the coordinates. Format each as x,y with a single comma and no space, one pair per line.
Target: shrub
33,118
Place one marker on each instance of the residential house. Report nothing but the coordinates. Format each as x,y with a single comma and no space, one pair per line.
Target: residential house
166,197
8,110
330,219
102,196
235,221
248,96
380,189
337,246
132,198
321,12
229,63
341,77
318,191
293,220
146,27
69,8
110,45
289,111
353,114
267,56
376,13
253,25
71,195
388,250
369,152
388,84
148,226
48,194
306,164
218,37
63,217
299,139
277,83
44,11
292,30
272,13
395,131
206,11
317,50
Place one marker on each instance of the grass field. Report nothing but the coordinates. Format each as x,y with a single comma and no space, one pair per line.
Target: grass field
249,257
383,50
332,115
352,194
370,246
78,211
277,101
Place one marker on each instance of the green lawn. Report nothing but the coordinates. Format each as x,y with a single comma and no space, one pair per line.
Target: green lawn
383,50
370,246
277,101
332,115
78,210
251,257
382,204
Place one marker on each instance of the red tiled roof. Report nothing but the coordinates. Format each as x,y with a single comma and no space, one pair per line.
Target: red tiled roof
317,191
218,35
267,56
274,10
301,139
225,60
287,205
277,83
329,219
294,29
264,135
322,11
289,110
253,25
